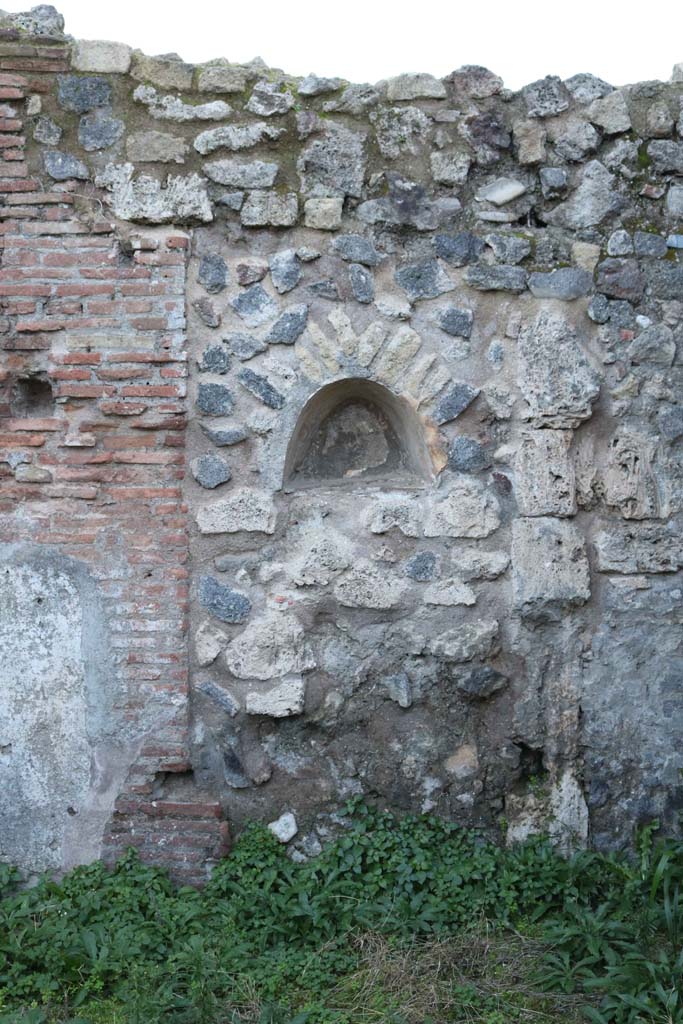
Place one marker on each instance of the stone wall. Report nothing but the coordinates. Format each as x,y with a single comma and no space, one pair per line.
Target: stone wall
340,455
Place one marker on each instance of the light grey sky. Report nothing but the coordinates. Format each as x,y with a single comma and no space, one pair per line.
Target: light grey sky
366,40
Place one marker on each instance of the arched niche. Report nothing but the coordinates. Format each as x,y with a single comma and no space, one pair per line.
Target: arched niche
357,430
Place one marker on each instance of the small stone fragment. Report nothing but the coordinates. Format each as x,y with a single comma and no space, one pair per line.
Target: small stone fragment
214,359
501,191
620,279
455,321
362,284
214,399
415,86
224,437
246,346
285,828
47,131
466,455
611,113
325,214
156,147
83,93
223,602
213,272
263,209
421,567
481,683
496,279
325,289
210,471
456,400
423,280
205,311
270,98
241,174
510,249
289,326
99,130
399,689
245,510
648,243
313,85
565,283
458,250
98,55
356,249
254,306
64,166
285,270
546,97
261,388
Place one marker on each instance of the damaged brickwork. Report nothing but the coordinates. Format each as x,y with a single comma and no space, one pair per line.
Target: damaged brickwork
340,453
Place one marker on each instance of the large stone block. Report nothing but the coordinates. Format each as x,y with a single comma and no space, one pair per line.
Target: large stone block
550,573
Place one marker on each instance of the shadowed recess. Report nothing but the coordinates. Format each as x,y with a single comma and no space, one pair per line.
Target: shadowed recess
357,430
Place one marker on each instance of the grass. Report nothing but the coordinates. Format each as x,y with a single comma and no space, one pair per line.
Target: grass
402,920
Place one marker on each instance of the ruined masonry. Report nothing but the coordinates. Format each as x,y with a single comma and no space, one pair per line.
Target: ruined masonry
340,454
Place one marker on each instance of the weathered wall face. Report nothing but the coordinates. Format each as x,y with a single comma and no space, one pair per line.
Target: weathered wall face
426,542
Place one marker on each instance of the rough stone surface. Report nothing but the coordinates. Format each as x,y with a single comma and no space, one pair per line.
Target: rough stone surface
345,460
554,374
223,602
549,567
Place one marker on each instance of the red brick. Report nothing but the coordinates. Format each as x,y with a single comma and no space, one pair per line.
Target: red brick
150,391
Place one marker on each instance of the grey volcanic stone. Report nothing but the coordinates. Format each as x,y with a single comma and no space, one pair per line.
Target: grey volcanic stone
241,174
647,243
261,388
455,321
553,181
263,209
246,346
546,97
460,249
362,284
205,311
564,283
99,130
313,85
82,93
481,682
620,279
670,421
254,306
156,147
214,359
333,165
455,401
496,279
619,243
213,272
421,567
47,131
586,88
251,273
224,437
63,166
466,455
223,602
596,198
356,249
210,471
289,326
214,399
285,270
665,280
666,156
423,280
399,689
325,289
656,344
509,248
270,98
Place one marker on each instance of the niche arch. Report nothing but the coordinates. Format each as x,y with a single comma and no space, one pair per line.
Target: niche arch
356,430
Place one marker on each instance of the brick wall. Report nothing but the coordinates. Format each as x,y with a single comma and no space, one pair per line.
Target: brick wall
94,471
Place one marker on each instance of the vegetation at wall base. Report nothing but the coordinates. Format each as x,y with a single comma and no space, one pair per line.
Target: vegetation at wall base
402,920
